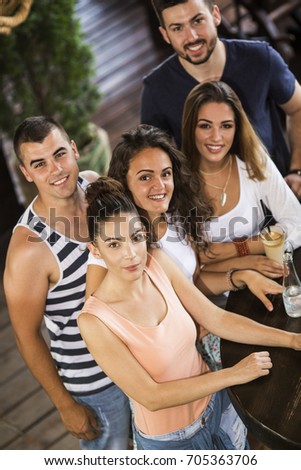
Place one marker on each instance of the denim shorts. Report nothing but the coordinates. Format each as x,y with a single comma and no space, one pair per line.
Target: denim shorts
217,428
112,409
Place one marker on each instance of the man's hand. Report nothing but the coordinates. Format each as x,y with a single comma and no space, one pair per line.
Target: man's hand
80,421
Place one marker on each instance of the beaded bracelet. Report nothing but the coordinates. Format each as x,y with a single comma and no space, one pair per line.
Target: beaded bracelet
241,245
230,281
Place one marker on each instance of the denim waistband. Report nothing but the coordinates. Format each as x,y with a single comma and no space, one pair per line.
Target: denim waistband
187,432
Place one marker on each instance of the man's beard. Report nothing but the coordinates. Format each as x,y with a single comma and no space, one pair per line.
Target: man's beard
204,59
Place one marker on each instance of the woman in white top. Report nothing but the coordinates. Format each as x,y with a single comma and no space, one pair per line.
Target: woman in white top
236,178
154,175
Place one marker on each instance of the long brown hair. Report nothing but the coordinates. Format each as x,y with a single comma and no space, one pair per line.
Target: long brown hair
246,145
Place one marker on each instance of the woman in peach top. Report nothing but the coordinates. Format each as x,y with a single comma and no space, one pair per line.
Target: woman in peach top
140,326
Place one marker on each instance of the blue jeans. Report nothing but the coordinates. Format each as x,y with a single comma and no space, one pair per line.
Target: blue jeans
218,427
112,409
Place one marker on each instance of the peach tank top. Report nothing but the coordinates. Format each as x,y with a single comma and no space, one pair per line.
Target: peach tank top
167,352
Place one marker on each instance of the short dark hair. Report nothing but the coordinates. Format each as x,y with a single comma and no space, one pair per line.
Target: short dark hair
35,129
160,5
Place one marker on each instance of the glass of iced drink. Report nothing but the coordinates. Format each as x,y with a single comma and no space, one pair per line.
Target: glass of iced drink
273,239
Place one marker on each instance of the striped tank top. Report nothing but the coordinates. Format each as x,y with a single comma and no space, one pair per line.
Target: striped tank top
78,370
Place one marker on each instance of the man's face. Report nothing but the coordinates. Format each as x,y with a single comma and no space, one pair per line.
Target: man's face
51,165
191,29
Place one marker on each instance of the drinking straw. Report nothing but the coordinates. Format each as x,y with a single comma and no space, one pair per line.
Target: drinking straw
265,212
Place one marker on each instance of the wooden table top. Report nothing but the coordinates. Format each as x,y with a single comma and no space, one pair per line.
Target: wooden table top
271,405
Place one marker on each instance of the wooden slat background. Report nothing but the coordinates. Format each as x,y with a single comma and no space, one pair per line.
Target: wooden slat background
124,50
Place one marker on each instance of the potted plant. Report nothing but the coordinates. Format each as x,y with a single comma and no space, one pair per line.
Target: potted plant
47,68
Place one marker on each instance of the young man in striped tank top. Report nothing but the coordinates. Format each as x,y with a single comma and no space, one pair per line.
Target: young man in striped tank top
48,254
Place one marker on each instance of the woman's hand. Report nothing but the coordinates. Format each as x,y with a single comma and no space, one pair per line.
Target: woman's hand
260,263
259,285
263,265
251,367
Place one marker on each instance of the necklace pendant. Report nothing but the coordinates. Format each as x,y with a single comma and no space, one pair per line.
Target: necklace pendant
223,198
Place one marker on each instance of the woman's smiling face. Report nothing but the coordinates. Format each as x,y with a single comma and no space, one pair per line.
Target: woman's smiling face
150,180
215,132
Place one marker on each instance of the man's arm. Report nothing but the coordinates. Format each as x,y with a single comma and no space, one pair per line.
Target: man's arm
30,268
293,112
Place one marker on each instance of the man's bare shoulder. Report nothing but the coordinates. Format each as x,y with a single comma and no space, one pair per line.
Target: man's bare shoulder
28,249
30,271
